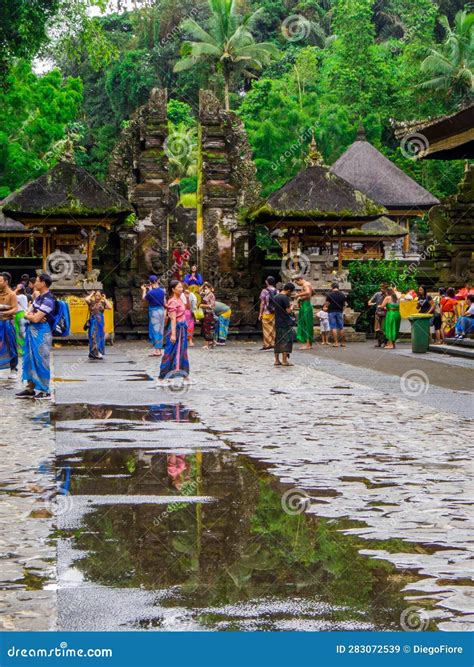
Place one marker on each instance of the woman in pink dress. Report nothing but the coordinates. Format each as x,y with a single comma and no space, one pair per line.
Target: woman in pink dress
175,358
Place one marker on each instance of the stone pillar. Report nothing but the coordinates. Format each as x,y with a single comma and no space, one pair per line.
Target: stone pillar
138,169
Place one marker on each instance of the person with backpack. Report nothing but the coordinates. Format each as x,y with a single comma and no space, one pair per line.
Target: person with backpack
267,313
42,319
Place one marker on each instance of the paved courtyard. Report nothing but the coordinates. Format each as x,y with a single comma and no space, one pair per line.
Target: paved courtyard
330,495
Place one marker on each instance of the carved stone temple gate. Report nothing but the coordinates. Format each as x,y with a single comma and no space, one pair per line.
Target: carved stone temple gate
219,242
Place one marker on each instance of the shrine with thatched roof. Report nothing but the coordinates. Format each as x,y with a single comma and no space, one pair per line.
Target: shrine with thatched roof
320,213
368,170
66,207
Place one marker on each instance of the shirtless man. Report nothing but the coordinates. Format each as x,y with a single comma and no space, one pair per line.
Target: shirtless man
305,332
8,309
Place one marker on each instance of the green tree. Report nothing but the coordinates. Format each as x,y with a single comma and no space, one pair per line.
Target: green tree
450,68
228,44
35,112
23,29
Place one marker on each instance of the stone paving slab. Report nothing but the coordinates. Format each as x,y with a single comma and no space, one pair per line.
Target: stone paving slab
27,490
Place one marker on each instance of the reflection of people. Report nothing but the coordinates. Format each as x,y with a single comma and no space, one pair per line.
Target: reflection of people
155,296
8,311
99,412
178,469
97,305
175,359
305,331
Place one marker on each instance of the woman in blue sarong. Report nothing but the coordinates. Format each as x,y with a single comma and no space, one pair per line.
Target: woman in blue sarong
38,342
175,362
97,305
155,296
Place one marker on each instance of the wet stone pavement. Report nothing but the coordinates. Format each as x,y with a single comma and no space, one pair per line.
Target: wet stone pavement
255,499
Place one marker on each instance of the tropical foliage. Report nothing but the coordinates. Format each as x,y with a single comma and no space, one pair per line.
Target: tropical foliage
451,67
228,44
285,66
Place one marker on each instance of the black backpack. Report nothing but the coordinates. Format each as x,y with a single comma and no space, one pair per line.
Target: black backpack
271,303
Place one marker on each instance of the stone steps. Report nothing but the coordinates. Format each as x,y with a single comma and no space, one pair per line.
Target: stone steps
453,348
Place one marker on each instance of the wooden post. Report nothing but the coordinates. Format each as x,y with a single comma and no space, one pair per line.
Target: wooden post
44,252
90,250
339,254
406,239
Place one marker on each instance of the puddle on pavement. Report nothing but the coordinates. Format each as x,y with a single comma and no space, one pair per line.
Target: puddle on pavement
239,562
162,412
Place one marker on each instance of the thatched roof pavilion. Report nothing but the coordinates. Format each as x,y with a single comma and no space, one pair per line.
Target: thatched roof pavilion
316,207
368,170
64,204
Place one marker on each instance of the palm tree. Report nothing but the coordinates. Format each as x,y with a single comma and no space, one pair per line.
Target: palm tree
452,66
228,43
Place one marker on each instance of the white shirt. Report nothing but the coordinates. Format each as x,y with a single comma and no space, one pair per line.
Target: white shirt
22,303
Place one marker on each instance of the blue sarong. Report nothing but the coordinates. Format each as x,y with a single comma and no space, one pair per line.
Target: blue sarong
96,334
156,325
175,358
222,328
36,355
8,346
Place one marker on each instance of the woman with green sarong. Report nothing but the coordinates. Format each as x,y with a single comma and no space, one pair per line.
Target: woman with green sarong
19,319
392,318
305,331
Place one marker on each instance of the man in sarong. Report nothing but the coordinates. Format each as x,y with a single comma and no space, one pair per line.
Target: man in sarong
155,296
305,331
8,310
38,341
267,313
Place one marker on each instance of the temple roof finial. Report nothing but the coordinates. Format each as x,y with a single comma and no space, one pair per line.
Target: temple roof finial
68,150
314,156
361,133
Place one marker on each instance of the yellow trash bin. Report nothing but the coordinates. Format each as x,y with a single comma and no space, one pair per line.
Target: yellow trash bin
79,312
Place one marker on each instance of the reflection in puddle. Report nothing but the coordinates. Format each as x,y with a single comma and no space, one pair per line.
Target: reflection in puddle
148,413
237,563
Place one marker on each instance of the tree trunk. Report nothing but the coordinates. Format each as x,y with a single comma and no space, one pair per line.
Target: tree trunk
226,91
